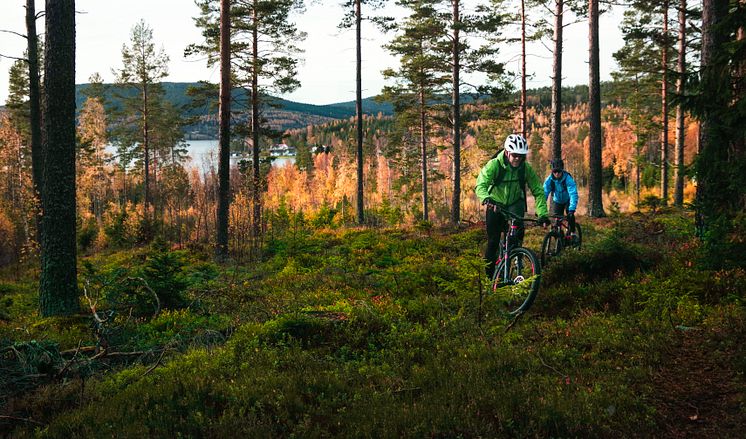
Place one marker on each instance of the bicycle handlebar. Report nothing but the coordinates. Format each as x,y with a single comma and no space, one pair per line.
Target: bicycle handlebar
499,208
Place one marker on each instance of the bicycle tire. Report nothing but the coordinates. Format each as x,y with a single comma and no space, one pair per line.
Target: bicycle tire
524,267
551,247
579,233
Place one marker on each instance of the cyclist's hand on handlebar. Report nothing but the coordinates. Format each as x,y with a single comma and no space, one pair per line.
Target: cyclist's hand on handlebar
543,221
490,204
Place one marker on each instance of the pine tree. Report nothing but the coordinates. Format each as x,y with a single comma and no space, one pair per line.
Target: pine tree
224,116
556,124
37,153
58,287
420,78
718,102
595,200
645,60
678,197
265,58
142,69
356,16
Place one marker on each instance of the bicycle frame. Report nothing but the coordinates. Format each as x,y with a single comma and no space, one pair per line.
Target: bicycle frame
560,225
515,265
505,248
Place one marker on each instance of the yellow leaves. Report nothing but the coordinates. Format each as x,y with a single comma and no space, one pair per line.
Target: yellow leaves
92,125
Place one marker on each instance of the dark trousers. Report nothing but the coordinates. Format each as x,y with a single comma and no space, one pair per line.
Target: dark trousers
559,209
496,225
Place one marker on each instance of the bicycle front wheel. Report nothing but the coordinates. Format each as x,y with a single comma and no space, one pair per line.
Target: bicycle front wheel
517,284
551,247
579,234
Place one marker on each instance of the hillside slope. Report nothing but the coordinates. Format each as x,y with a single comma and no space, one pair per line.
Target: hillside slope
282,114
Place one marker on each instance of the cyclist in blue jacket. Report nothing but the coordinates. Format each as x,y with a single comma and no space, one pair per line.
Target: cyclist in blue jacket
564,192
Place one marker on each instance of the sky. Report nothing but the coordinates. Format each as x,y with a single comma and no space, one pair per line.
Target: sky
327,74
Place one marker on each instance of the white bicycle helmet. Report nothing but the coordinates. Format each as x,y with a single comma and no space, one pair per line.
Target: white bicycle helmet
516,144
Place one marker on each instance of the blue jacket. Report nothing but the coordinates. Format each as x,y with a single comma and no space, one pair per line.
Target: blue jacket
565,190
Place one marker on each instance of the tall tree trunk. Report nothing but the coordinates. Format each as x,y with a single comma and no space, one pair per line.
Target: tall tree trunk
359,113
224,163
740,84
58,286
256,195
557,82
423,152
456,109
664,108
524,118
146,147
34,86
678,197
709,172
595,186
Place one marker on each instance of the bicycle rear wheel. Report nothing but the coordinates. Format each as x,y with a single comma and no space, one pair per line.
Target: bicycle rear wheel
551,247
519,288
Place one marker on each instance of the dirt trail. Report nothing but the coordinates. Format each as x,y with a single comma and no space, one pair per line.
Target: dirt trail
700,394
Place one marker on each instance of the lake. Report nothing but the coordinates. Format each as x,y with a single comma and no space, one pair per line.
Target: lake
204,153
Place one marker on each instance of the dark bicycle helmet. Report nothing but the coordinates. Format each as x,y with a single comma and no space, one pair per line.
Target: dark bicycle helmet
557,165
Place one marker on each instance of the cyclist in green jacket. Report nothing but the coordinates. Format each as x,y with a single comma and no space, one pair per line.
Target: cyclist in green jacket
502,181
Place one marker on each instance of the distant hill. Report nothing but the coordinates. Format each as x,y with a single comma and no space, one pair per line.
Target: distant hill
282,115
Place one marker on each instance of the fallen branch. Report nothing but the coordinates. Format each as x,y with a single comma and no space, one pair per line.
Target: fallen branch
551,368
15,418
514,321
157,363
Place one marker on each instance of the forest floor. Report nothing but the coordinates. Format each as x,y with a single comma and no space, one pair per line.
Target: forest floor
385,333
701,394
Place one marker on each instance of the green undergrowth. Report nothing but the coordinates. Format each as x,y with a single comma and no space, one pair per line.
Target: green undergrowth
390,333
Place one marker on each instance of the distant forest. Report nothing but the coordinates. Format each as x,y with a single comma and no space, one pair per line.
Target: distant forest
289,115
282,115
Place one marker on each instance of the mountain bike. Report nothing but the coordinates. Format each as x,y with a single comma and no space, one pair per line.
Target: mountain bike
517,270
559,238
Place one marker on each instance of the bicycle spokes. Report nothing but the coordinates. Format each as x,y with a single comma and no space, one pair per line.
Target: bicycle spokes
516,281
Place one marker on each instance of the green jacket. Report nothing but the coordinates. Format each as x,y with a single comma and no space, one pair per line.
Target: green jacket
509,190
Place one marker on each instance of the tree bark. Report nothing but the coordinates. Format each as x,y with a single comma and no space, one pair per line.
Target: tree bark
423,152
359,113
557,83
146,147
256,194
595,186
524,117
456,110
664,108
678,197
709,172
34,86
224,130
58,287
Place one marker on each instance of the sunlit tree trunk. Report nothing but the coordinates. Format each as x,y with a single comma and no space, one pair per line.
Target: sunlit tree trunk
423,152
524,129
146,148
664,108
456,110
557,82
359,113
678,197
